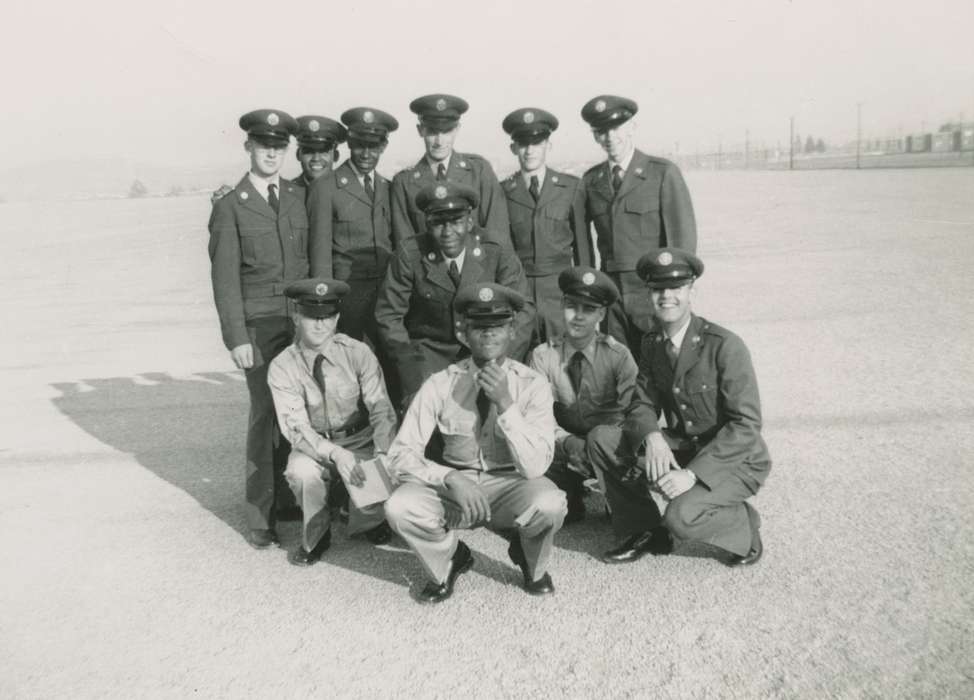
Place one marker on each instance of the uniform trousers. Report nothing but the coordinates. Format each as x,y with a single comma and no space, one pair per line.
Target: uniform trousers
628,319
534,508
266,450
717,516
546,294
311,482
358,321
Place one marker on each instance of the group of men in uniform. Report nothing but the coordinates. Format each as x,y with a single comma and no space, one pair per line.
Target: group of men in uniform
468,311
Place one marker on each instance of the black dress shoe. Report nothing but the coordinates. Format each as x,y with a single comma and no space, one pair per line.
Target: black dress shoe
543,585
656,541
302,557
753,555
461,562
261,539
380,534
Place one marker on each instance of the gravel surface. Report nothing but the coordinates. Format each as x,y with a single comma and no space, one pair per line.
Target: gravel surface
121,441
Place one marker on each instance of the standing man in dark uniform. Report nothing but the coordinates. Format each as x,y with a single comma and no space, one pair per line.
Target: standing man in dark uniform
259,243
592,377
439,123
711,457
318,138
349,211
638,203
547,213
414,311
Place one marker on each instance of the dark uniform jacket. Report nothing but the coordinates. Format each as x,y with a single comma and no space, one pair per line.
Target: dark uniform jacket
551,234
351,238
465,169
711,399
651,210
414,311
301,181
255,253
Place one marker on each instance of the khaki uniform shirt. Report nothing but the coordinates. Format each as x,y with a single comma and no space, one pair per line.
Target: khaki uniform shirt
608,381
521,438
355,393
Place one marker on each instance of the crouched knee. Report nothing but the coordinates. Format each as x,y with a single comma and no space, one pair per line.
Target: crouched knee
301,470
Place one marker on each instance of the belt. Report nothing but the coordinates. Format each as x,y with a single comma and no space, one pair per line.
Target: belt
482,471
619,265
347,431
259,291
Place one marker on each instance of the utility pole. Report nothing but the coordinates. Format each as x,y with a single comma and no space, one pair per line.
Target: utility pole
858,133
791,146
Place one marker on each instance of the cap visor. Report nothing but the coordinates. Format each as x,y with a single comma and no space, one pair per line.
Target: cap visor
669,282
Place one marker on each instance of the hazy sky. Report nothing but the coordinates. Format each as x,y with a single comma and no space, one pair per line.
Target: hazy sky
167,82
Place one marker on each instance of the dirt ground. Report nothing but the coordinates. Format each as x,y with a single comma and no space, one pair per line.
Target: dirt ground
121,443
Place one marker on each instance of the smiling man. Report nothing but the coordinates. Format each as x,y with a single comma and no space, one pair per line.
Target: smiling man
637,203
259,243
498,432
592,377
349,212
332,406
547,213
439,124
710,458
318,138
414,311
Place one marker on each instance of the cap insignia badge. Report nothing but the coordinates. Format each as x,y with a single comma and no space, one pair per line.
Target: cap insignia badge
440,105
600,106
313,125
273,119
440,192
665,258
321,289
528,117
485,294
588,278
368,117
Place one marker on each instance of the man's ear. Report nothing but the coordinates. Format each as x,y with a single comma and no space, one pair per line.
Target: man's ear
513,148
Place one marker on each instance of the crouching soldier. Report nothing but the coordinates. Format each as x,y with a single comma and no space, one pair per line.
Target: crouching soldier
498,431
710,458
592,377
332,406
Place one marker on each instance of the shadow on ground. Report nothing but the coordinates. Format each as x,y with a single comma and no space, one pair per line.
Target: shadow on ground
189,432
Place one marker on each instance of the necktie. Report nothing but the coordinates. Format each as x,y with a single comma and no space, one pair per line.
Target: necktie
441,172
534,188
454,273
671,353
617,176
575,371
272,198
319,376
369,189
483,406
